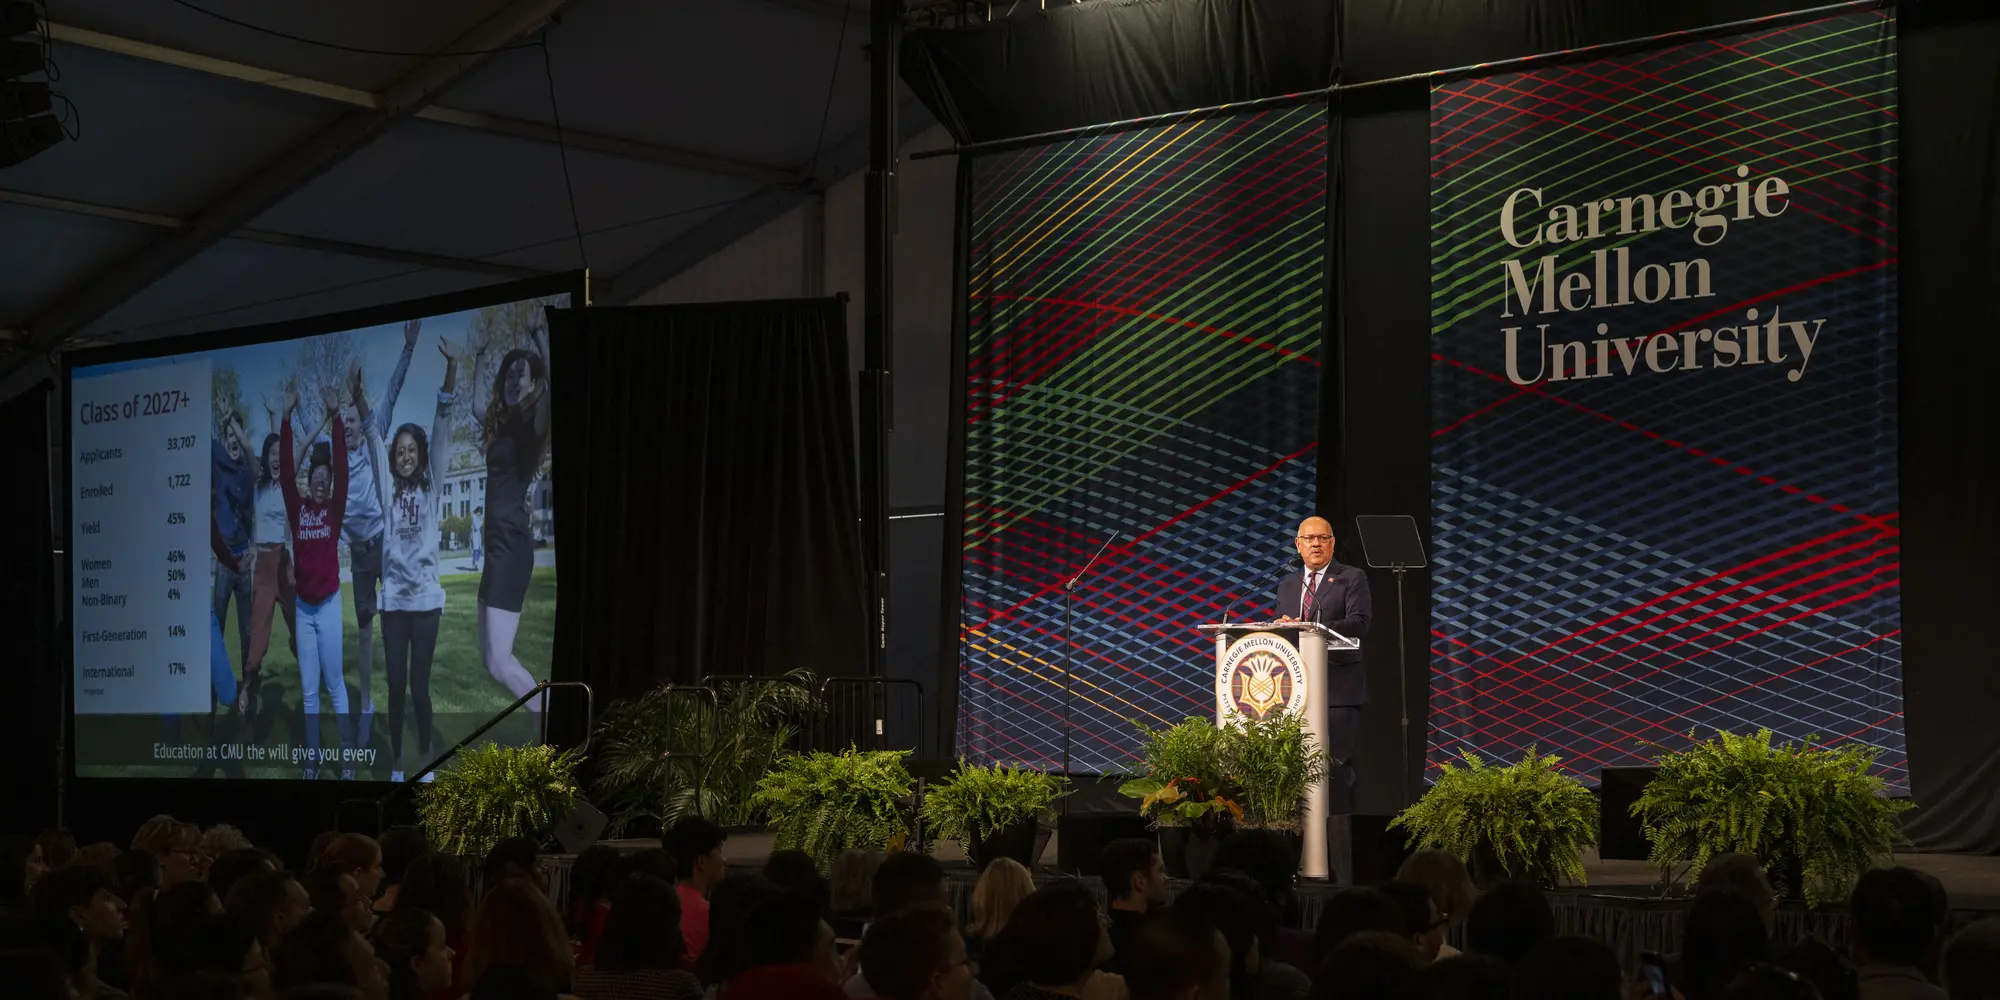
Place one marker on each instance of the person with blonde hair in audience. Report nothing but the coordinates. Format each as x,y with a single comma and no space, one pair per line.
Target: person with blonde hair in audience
360,856
1001,887
1442,875
174,845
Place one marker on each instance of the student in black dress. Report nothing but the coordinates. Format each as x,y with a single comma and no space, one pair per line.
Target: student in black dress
514,420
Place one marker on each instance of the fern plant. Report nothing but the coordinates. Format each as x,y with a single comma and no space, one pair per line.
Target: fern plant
1535,819
823,803
1275,761
667,754
1815,816
975,801
494,792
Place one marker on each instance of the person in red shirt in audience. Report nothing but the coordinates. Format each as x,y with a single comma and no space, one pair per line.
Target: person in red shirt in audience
790,951
696,846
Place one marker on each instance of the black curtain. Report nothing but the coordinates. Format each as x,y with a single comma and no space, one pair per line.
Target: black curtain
1082,64
32,717
1950,439
711,522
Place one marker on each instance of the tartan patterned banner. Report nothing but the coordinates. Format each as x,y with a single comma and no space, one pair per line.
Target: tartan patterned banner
1666,500
1141,364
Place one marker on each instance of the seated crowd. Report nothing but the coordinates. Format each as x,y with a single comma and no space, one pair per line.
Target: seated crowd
187,914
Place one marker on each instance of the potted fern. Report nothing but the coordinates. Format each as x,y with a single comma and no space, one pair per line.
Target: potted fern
995,812
1526,819
494,792
1816,816
666,754
824,803
1187,793
1275,761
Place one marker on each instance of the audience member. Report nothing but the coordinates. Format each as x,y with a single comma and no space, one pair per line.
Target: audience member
1442,875
1270,857
1235,902
1568,967
788,952
58,848
1724,936
20,866
696,846
231,866
436,884
1764,981
1970,966
1135,883
400,846
1177,954
62,941
1351,912
794,871
215,943
1422,924
641,952
1370,965
590,887
517,938
648,861
917,954
1819,964
217,841
324,949
317,852
333,890
273,903
102,854
515,857
1742,873
159,926
415,947
1508,920
729,905
1000,889
1051,947
361,858
903,880
173,844
1894,917
1463,977
86,899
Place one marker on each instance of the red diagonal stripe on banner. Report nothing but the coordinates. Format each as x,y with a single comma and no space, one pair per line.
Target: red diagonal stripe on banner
1149,675
1046,710
1090,605
1492,678
1265,345
1496,404
1661,438
1164,579
1760,682
1763,296
1815,81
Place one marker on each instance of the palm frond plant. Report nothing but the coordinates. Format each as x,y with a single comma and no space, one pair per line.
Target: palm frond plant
1275,761
1528,817
493,792
671,753
1816,816
974,802
824,803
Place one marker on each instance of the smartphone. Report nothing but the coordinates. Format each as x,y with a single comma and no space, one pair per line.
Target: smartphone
1653,976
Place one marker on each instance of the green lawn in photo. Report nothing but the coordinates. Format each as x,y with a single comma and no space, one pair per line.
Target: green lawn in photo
463,694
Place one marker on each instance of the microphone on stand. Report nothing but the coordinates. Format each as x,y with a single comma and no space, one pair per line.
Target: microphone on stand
1069,597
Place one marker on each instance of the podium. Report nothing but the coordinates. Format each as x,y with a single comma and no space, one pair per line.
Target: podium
1267,667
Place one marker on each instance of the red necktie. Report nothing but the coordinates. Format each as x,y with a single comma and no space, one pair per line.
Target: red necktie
1306,604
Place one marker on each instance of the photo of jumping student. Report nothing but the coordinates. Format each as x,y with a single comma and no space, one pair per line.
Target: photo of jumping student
513,419
412,596
367,476
272,583
316,519
232,513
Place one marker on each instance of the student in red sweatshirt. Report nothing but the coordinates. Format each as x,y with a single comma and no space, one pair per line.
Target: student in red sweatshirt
315,523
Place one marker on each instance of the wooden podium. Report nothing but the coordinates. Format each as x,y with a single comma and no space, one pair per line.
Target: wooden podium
1267,667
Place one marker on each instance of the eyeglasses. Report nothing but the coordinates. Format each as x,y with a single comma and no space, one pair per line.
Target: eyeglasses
1315,538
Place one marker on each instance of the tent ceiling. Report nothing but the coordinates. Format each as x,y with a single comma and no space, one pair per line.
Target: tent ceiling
692,121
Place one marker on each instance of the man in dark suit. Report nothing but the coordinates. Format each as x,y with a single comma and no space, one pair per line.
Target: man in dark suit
1335,596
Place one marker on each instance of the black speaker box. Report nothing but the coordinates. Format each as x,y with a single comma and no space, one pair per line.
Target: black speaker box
1619,836
1081,837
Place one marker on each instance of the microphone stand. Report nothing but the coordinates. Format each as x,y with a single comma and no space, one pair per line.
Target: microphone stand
1069,600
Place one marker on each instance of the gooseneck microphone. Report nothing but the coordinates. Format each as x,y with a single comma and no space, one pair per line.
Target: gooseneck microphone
1240,597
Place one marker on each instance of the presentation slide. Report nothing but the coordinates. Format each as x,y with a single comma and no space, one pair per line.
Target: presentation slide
328,557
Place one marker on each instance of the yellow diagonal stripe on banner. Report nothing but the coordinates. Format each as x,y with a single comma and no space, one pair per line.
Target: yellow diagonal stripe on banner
1077,678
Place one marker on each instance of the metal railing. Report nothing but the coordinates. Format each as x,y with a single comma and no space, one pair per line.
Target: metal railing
380,805
867,716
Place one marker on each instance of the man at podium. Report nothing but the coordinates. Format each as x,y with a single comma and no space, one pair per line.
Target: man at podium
1335,596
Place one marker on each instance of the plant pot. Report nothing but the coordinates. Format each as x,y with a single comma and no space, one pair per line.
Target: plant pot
1295,842
1023,841
1187,852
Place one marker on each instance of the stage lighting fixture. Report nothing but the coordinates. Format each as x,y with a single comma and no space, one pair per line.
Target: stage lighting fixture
26,125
